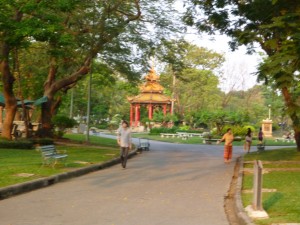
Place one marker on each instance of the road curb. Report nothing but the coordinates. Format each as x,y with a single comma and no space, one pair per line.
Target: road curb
242,216
21,188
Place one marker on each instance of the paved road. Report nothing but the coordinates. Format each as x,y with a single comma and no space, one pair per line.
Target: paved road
173,184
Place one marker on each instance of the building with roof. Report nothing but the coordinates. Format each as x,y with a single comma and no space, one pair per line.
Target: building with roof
152,97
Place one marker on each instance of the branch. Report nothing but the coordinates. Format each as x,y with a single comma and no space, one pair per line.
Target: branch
70,80
138,14
52,73
55,106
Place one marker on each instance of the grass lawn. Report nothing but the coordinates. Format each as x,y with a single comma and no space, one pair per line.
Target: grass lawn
198,140
283,206
104,142
14,162
192,140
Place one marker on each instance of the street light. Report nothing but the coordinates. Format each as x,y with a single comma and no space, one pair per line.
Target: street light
88,119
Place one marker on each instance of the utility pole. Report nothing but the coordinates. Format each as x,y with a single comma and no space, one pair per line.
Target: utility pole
72,103
173,91
88,116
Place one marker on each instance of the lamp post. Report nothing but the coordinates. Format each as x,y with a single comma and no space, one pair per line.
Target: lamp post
269,106
88,119
72,103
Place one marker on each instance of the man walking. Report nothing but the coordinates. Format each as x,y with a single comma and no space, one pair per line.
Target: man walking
124,140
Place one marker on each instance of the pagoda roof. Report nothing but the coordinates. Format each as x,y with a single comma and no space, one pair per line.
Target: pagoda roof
151,91
152,75
151,86
150,98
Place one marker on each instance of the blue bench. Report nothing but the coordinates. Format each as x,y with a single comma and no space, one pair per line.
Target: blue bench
50,155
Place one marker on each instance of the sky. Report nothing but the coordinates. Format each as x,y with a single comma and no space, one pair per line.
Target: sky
239,68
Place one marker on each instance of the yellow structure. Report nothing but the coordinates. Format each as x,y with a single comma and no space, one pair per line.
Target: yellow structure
267,127
152,96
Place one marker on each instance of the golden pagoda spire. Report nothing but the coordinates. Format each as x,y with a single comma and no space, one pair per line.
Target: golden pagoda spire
152,75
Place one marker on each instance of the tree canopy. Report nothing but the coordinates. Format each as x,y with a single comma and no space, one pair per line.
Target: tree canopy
274,25
69,35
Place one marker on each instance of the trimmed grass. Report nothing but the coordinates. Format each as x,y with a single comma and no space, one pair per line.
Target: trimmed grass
14,162
198,140
284,154
104,142
283,206
192,140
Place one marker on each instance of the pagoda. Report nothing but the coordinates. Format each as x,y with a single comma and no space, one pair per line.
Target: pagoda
151,96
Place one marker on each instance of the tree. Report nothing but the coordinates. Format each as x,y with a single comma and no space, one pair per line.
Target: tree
193,68
20,23
73,34
198,90
108,99
172,53
274,25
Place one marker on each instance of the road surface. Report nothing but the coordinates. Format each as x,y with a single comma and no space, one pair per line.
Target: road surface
172,184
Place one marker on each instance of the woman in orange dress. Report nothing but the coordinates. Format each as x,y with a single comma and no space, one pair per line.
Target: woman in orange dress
228,138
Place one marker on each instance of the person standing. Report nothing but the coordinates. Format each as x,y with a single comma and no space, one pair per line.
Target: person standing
228,138
248,140
260,136
124,141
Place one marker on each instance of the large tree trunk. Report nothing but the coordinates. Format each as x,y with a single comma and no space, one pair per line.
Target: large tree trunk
47,130
51,87
46,119
292,111
49,109
297,138
10,100
10,111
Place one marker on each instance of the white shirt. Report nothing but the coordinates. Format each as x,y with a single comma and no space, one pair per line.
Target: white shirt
124,135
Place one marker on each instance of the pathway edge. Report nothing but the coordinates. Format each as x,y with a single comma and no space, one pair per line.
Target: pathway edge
240,212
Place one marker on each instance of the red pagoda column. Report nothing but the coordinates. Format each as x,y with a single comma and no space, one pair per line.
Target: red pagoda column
165,109
150,110
136,116
131,114
139,114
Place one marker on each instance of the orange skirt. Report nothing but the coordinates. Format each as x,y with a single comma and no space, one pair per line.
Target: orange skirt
227,152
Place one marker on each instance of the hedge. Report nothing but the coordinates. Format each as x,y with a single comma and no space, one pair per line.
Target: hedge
16,144
24,143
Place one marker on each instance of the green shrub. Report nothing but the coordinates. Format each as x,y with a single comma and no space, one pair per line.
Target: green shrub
16,144
102,126
199,131
158,130
173,130
42,141
62,123
275,127
184,128
245,129
238,130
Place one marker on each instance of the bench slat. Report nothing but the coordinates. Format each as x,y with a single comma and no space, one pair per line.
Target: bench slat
50,155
